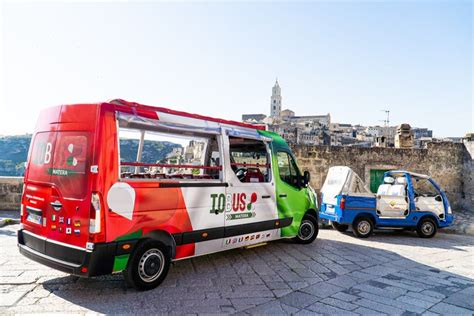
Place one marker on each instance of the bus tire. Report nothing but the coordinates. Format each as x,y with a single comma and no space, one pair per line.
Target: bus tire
426,228
339,227
308,230
363,227
148,265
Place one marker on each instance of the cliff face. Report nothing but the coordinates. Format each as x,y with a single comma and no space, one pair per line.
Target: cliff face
13,153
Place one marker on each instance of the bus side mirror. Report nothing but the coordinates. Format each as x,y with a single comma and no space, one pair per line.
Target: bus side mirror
306,178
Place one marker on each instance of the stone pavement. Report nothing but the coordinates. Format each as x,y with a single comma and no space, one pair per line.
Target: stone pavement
463,223
389,273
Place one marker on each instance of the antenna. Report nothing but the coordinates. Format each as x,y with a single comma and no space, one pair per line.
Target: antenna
387,120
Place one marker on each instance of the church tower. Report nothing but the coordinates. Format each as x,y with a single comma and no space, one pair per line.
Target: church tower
275,101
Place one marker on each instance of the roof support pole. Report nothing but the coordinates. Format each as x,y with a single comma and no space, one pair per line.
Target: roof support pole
140,150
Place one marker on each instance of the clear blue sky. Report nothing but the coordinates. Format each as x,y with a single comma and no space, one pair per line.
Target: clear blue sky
351,59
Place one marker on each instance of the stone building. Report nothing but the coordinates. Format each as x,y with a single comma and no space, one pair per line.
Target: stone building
404,137
275,101
320,130
254,118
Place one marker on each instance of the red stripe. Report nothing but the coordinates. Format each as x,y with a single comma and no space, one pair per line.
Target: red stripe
250,164
136,111
142,164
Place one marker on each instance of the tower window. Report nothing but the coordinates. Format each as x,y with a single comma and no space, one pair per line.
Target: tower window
274,101
274,107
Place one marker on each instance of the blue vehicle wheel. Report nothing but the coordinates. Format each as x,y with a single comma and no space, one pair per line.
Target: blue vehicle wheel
363,227
426,228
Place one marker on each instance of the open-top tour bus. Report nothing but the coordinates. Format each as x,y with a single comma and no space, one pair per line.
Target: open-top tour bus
121,186
405,200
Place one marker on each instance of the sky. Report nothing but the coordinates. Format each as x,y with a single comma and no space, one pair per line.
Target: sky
351,59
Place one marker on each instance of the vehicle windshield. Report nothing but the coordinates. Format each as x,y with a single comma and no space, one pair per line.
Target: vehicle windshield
335,180
423,187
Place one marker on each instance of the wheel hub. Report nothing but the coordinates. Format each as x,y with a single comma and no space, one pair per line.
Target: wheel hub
363,227
306,230
151,265
427,228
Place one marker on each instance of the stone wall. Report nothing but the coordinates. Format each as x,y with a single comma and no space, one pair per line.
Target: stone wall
10,193
447,163
469,171
450,164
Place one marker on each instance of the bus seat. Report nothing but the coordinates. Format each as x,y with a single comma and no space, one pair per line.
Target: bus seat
159,176
254,175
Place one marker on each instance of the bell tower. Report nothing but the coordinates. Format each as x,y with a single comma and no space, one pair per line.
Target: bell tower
275,101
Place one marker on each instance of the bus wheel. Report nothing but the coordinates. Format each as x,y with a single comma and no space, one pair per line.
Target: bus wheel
339,227
148,265
308,230
426,228
363,227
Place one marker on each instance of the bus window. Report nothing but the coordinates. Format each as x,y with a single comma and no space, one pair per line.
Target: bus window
249,159
41,157
288,171
162,155
69,172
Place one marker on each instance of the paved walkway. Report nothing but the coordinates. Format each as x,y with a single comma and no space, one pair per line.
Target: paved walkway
390,273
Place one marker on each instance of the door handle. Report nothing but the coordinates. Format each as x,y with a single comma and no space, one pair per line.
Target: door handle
266,196
283,195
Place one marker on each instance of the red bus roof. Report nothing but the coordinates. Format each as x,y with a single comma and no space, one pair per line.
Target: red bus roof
150,111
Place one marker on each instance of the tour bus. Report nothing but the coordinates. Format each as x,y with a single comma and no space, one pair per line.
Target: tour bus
121,186
405,200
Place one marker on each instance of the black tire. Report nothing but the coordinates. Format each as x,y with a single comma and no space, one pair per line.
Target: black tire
363,227
339,227
426,228
148,265
308,230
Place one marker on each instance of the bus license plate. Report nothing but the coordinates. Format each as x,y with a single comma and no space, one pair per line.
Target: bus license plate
34,218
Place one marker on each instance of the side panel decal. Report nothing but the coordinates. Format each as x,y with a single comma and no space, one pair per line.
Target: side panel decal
121,199
229,231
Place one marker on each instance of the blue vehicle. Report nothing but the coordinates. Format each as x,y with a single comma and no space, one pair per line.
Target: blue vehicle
405,200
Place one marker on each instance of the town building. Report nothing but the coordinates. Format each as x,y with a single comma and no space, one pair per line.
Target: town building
320,130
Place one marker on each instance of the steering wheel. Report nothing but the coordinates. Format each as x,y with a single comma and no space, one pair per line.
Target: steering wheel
240,172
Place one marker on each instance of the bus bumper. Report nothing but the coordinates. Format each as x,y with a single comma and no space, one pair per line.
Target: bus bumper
72,260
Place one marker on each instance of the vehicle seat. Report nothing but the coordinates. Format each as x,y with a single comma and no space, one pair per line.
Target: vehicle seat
254,175
401,180
397,190
384,189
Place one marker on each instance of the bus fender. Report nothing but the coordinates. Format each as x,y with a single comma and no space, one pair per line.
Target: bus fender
165,238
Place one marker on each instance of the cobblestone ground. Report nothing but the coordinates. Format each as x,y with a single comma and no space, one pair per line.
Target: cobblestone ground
389,273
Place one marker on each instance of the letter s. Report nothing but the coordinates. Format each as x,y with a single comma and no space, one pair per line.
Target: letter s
242,201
